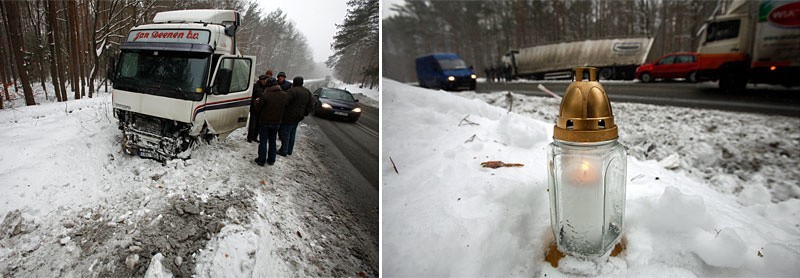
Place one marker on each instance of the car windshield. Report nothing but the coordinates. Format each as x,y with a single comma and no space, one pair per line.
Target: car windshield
337,94
164,73
452,64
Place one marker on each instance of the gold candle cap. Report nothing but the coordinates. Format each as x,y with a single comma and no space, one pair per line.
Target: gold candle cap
585,114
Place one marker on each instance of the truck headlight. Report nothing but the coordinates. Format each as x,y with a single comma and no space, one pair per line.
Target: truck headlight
357,110
326,106
474,76
451,78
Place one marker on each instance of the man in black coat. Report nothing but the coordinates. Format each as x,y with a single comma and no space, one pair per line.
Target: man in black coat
300,105
258,90
271,106
285,85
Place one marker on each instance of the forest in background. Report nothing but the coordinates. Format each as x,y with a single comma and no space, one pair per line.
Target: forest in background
356,51
483,31
68,43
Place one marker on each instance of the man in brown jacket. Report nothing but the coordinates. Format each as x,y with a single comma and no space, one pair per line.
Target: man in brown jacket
271,106
300,105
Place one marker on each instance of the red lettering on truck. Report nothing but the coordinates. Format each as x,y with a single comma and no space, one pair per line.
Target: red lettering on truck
786,16
141,35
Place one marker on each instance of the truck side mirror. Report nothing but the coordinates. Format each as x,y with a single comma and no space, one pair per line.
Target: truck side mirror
222,85
112,68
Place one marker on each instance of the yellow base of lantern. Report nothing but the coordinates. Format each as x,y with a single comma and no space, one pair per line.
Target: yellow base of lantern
553,255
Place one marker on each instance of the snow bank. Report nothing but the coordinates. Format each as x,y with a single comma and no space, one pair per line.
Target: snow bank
743,154
365,95
74,205
444,215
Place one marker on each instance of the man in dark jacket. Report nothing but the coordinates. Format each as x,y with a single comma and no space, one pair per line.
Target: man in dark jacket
252,126
300,105
271,106
285,85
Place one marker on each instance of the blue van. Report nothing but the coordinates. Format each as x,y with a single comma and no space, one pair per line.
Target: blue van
445,71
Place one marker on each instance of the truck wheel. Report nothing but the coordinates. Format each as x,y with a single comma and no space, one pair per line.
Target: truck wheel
606,74
692,78
732,83
646,78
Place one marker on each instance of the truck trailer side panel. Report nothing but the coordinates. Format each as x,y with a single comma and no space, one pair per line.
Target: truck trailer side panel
596,53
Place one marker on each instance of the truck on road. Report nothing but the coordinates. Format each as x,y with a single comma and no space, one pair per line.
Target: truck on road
614,58
756,42
180,79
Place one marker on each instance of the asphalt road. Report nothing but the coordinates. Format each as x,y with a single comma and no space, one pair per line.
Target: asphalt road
358,142
763,99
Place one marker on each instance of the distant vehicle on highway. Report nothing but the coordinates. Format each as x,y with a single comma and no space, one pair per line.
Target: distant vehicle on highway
754,41
614,58
336,103
445,71
673,65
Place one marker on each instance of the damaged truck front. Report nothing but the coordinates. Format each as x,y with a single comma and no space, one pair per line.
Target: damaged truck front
178,80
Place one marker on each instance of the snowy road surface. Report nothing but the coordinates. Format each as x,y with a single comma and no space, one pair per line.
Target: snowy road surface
765,99
74,205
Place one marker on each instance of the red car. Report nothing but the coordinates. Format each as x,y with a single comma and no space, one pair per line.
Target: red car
673,65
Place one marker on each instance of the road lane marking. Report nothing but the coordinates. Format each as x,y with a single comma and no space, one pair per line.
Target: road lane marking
369,132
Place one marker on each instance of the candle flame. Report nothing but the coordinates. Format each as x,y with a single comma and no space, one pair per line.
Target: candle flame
585,166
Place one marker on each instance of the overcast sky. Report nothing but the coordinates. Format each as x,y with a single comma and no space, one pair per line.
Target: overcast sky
314,18
387,5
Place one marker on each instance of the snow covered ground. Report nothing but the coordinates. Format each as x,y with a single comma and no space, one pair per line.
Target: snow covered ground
709,193
74,205
365,96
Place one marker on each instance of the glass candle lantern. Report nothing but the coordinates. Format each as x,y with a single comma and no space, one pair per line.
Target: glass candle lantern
586,172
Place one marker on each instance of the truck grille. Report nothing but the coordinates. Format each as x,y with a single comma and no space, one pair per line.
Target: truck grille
148,125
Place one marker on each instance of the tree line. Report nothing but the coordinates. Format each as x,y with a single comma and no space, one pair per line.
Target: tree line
356,52
483,31
68,43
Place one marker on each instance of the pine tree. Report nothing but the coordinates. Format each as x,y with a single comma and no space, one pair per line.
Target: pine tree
355,44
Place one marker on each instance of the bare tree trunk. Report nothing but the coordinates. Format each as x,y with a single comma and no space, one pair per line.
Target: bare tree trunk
51,41
88,58
74,48
59,58
4,73
11,13
36,22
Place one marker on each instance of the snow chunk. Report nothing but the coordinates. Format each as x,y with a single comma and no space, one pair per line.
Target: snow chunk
727,249
754,193
678,212
156,269
671,162
521,131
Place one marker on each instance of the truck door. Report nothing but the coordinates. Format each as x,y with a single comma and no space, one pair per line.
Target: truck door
227,105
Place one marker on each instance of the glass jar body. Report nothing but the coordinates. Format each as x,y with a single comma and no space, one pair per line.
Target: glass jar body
586,184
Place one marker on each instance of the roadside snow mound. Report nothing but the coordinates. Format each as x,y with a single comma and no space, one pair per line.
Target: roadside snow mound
444,215
743,154
74,205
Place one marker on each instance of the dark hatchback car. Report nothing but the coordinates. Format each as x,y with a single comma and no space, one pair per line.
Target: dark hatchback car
336,103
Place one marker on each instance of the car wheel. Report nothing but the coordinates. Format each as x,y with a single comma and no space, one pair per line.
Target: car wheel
692,78
646,78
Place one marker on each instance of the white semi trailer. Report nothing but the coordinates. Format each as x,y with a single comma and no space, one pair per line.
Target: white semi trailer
614,58
181,79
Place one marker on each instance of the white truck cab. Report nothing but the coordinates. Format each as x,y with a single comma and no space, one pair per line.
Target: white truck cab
179,79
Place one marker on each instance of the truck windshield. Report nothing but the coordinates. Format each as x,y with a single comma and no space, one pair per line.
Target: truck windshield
452,64
163,73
